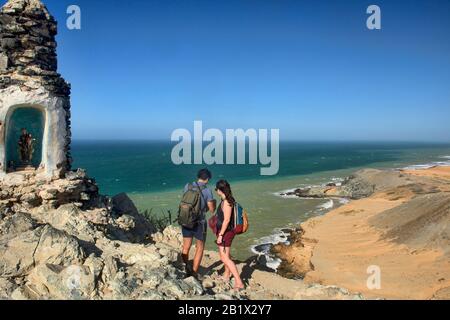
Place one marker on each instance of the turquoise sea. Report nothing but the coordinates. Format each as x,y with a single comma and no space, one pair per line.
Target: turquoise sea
144,170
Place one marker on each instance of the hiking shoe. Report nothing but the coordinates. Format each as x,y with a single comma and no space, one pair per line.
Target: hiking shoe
198,277
188,270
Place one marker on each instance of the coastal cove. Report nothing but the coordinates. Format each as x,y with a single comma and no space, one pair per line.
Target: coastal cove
390,241
144,171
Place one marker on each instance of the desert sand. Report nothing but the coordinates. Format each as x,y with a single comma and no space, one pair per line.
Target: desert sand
403,229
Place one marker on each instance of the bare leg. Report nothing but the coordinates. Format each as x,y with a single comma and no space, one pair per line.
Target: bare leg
227,274
221,254
187,243
199,248
225,257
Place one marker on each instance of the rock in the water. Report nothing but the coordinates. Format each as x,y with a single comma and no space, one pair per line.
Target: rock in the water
357,186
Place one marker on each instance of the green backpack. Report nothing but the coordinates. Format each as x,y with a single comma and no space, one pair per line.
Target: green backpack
190,209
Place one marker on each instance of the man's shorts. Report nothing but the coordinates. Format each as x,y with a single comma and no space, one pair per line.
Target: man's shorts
198,232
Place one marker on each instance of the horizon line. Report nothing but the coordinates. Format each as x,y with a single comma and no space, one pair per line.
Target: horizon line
282,141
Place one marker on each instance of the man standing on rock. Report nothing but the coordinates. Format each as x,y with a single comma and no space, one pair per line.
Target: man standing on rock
197,200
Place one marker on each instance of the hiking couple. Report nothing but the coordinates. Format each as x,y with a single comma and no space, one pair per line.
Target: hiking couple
196,202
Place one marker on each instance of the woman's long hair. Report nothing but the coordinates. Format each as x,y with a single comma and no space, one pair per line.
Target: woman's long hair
224,186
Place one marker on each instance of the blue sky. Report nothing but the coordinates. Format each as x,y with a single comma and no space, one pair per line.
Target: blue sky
141,68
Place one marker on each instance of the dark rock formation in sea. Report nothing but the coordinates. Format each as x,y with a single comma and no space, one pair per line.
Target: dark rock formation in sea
357,186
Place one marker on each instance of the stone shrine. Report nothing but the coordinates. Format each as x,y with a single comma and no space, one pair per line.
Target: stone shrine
34,99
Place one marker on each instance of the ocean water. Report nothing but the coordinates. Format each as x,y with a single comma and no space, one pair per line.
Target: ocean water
144,170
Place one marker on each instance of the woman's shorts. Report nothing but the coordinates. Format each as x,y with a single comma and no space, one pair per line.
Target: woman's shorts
227,239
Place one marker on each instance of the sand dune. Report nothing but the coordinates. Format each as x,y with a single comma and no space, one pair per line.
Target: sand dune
404,229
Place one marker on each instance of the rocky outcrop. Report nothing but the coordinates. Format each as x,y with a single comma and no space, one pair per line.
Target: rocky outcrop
360,185
41,245
23,191
356,186
72,243
295,256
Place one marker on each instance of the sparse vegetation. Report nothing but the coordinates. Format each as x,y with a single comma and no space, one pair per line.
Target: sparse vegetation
161,220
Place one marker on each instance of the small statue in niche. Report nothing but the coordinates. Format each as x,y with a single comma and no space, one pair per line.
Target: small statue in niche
11,166
26,147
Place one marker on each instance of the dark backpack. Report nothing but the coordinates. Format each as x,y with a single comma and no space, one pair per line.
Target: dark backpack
190,209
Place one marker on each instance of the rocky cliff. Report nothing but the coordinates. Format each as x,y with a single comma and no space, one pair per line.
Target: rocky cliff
61,239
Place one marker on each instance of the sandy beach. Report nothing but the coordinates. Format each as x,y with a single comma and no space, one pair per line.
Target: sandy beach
403,228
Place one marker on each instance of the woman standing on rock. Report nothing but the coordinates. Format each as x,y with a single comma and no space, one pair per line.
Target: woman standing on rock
225,232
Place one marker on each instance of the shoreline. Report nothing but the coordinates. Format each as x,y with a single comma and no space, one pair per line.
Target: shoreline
167,200
260,200
386,229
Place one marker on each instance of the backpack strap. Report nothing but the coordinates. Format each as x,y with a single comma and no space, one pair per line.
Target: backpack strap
201,194
200,188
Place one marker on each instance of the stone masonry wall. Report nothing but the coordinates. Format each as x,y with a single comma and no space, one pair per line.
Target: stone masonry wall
28,56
